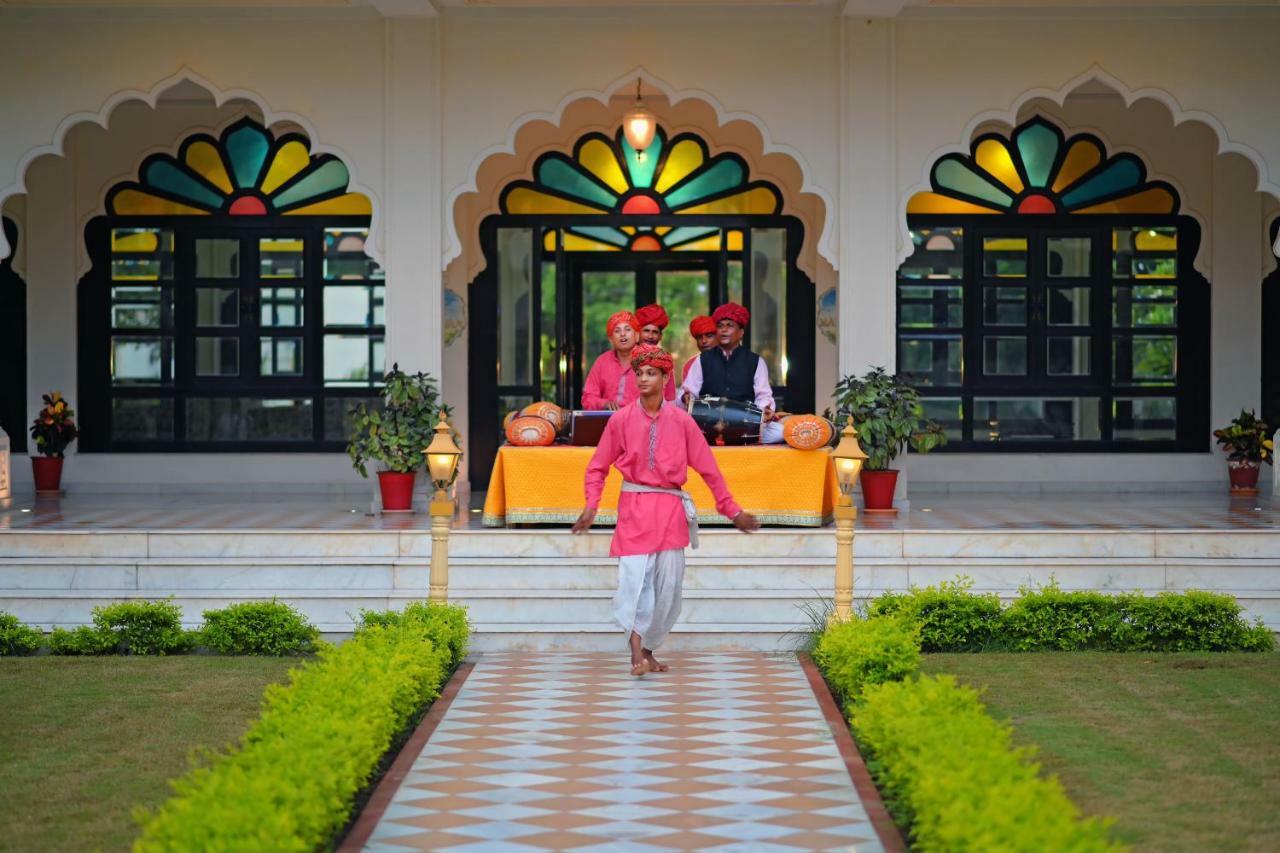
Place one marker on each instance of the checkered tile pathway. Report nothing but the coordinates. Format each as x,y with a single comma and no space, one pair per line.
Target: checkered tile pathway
569,752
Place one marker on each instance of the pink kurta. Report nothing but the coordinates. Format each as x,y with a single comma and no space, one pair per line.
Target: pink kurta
613,381
654,451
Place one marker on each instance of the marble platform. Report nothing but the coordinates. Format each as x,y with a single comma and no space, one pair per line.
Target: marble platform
542,588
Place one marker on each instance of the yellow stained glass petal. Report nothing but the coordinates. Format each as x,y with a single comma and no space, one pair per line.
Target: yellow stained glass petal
1154,200
683,158
1004,244
662,229
348,204
549,241
735,241
706,244
142,241
758,200
525,200
1082,156
929,202
993,156
1148,241
576,243
597,158
628,229
204,158
138,203
291,159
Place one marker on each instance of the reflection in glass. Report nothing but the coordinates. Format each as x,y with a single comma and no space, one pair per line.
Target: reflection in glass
1004,306
1135,306
515,306
217,356
1004,257
1145,359
338,420
138,419
936,253
1068,356
948,412
1145,418
768,332
1142,252
136,361
1004,356
549,349
217,257
1068,306
604,292
281,356
353,305
733,281
932,360
141,254
138,307
1068,257
217,306
248,419
344,256
282,306
351,360
923,306
280,257
1035,419
685,294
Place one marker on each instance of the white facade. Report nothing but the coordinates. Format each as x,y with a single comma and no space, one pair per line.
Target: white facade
416,99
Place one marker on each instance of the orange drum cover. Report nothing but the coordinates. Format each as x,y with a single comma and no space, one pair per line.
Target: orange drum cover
807,432
548,411
531,431
511,416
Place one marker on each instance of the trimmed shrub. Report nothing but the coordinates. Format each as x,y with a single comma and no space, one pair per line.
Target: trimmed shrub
145,627
84,640
258,628
291,782
1052,619
445,624
950,773
858,653
17,638
951,618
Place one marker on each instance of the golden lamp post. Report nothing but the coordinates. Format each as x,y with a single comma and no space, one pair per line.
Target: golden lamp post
442,464
848,457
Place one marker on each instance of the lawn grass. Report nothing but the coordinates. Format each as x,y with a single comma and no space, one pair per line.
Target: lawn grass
85,740
1182,749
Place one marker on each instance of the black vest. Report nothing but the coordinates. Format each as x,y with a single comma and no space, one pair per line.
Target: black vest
732,377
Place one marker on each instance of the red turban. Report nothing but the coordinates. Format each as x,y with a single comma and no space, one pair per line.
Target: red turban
732,311
653,356
621,317
702,325
652,315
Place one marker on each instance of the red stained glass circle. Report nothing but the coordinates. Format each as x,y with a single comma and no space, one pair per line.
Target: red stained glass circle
1037,204
641,205
247,206
646,243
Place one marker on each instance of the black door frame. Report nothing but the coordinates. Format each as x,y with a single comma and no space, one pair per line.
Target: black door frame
13,345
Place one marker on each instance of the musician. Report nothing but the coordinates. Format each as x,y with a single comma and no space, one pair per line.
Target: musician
653,322
611,384
703,331
732,371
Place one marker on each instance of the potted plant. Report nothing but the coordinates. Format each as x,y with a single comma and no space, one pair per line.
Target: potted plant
53,430
889,417
1247,442
396,435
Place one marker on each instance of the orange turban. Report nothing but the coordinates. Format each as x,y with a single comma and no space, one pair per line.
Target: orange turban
732,311
653,356
702,325
652,315
621,317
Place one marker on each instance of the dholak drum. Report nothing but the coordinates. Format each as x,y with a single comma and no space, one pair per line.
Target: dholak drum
725,421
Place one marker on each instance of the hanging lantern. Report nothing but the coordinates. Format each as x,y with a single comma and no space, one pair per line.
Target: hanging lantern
640,124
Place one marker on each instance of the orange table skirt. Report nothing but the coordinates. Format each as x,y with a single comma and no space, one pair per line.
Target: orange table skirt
777,484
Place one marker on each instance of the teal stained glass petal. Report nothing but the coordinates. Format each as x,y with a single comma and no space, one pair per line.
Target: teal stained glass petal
640,169
167,176
247,148
563,176
719,176
603,233
1120,174
686,233
1038,147
957,175
329,177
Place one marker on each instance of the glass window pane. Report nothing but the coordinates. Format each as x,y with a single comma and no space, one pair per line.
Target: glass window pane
338,420
1004,356
217,257
1135,306
280,356
515,307
217,356
1068,306
1004,257
922,306
139,361
139,307
1145,419
248,419
947,411
936,253
280,257
1034,419
685,294
1068,356
217,306
1142,252
344,256
348,306
603,294
282,306
1068,257
141,254
352,360
1145,359
733,281
1004,306
549,348
142,419
768,328
931,361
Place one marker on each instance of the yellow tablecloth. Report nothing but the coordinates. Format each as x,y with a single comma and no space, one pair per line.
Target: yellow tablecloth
777,484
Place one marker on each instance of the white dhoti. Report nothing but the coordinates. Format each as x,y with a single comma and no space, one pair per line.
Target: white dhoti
649,594
771,433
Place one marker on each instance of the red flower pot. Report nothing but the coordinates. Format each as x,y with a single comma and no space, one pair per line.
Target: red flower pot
47,472
397,490
878,488
1244,475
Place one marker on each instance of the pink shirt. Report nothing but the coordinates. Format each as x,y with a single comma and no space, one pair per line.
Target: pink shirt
613,381
654,451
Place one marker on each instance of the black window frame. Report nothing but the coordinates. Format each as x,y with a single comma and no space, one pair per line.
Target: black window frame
13,345
1270,372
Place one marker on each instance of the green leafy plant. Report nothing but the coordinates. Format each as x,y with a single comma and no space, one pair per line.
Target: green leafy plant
258,628
396,435
888,415
17,638
130,627
951,618
291,782
856,653
84,640
54,428
1246,439
445,624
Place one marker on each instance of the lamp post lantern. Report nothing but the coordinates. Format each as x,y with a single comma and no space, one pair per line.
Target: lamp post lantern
442,464
848,457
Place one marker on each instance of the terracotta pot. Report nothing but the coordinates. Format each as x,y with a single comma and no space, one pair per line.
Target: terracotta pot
47,472
878,488
397,490
1244,475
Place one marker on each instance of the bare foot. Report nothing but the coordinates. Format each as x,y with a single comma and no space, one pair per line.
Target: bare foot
654,663
641,668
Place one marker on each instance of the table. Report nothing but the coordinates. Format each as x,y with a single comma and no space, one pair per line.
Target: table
777,484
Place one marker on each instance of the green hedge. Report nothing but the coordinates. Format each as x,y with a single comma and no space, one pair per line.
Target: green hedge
130,627
17,638
859,653
291,782
953,619
258,628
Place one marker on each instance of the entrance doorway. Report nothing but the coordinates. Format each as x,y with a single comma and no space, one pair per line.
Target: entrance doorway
13,346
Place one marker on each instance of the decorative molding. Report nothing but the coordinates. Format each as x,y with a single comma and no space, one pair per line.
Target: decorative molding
878,8
402,8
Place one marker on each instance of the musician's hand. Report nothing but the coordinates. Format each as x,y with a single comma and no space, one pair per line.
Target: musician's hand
746,522
611,406
583,524
768,413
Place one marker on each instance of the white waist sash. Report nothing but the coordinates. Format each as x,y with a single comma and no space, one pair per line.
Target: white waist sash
690,511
